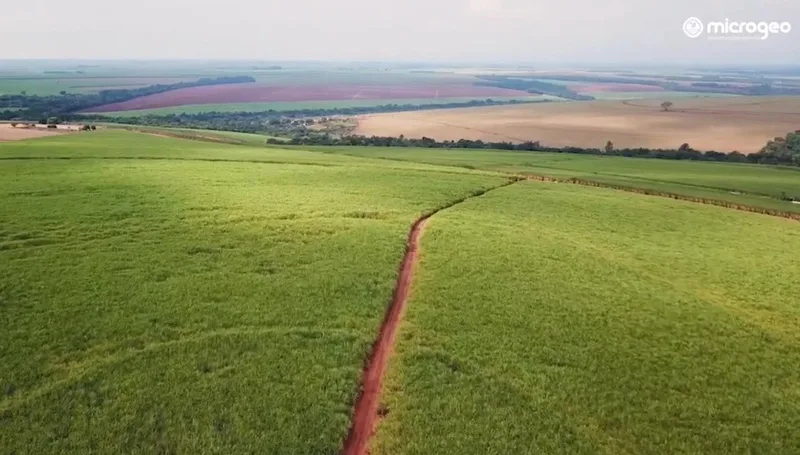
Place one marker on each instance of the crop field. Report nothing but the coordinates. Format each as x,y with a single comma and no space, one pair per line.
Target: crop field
627,91
751,185
258,93
79,84
556,319
175,304
660,96
723,124
299,105
164,295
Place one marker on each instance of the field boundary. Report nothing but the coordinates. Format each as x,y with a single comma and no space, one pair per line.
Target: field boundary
683,197
161,158
366,409
634,189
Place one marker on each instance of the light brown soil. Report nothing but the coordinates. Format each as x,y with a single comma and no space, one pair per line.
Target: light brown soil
9,133
723,124
608,87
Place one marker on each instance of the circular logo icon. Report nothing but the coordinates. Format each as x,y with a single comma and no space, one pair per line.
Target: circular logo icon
693,27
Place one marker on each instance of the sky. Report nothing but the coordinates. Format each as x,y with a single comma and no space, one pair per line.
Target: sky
502,31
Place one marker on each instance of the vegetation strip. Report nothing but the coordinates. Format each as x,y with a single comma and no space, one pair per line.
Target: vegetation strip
683,197
365,413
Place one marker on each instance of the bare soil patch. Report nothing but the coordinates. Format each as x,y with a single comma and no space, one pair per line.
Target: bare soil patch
614,88
19,133
743,124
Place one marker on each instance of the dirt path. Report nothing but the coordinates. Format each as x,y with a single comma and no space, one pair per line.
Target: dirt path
365,416
366,410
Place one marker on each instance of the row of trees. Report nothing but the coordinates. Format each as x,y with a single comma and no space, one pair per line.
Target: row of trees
31,107
532,86
781,151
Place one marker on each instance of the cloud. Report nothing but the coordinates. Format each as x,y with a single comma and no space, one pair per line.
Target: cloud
497,9
485,6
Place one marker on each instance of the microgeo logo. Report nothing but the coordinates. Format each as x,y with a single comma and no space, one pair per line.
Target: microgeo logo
734,30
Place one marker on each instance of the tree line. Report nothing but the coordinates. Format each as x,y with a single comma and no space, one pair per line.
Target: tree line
532,86
785,151
33,107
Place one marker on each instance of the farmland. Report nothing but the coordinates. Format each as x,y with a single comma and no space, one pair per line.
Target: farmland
303,105
167,295
257,93
754,185
150,302
550,318
718,123
10,133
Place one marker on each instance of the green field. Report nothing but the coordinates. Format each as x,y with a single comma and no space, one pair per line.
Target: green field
557,319
300,105
165,295
755,185
55,84
173,304
50,78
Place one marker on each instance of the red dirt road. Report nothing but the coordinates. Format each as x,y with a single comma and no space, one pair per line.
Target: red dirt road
259,93
366,410
365,415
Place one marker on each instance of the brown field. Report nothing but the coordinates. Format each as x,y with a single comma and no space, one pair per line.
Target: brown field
725,124
259,93
9,133
607,87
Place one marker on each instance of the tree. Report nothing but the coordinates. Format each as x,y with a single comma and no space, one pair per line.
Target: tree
666,105
609,147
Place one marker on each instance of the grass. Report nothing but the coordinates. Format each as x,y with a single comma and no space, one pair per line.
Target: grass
755,185
156,301
163,295
549,318
299,105
231,137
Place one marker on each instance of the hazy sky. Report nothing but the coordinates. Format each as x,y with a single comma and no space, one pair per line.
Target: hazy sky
516,31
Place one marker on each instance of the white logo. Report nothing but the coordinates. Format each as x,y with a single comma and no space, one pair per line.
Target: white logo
735,30
693,27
